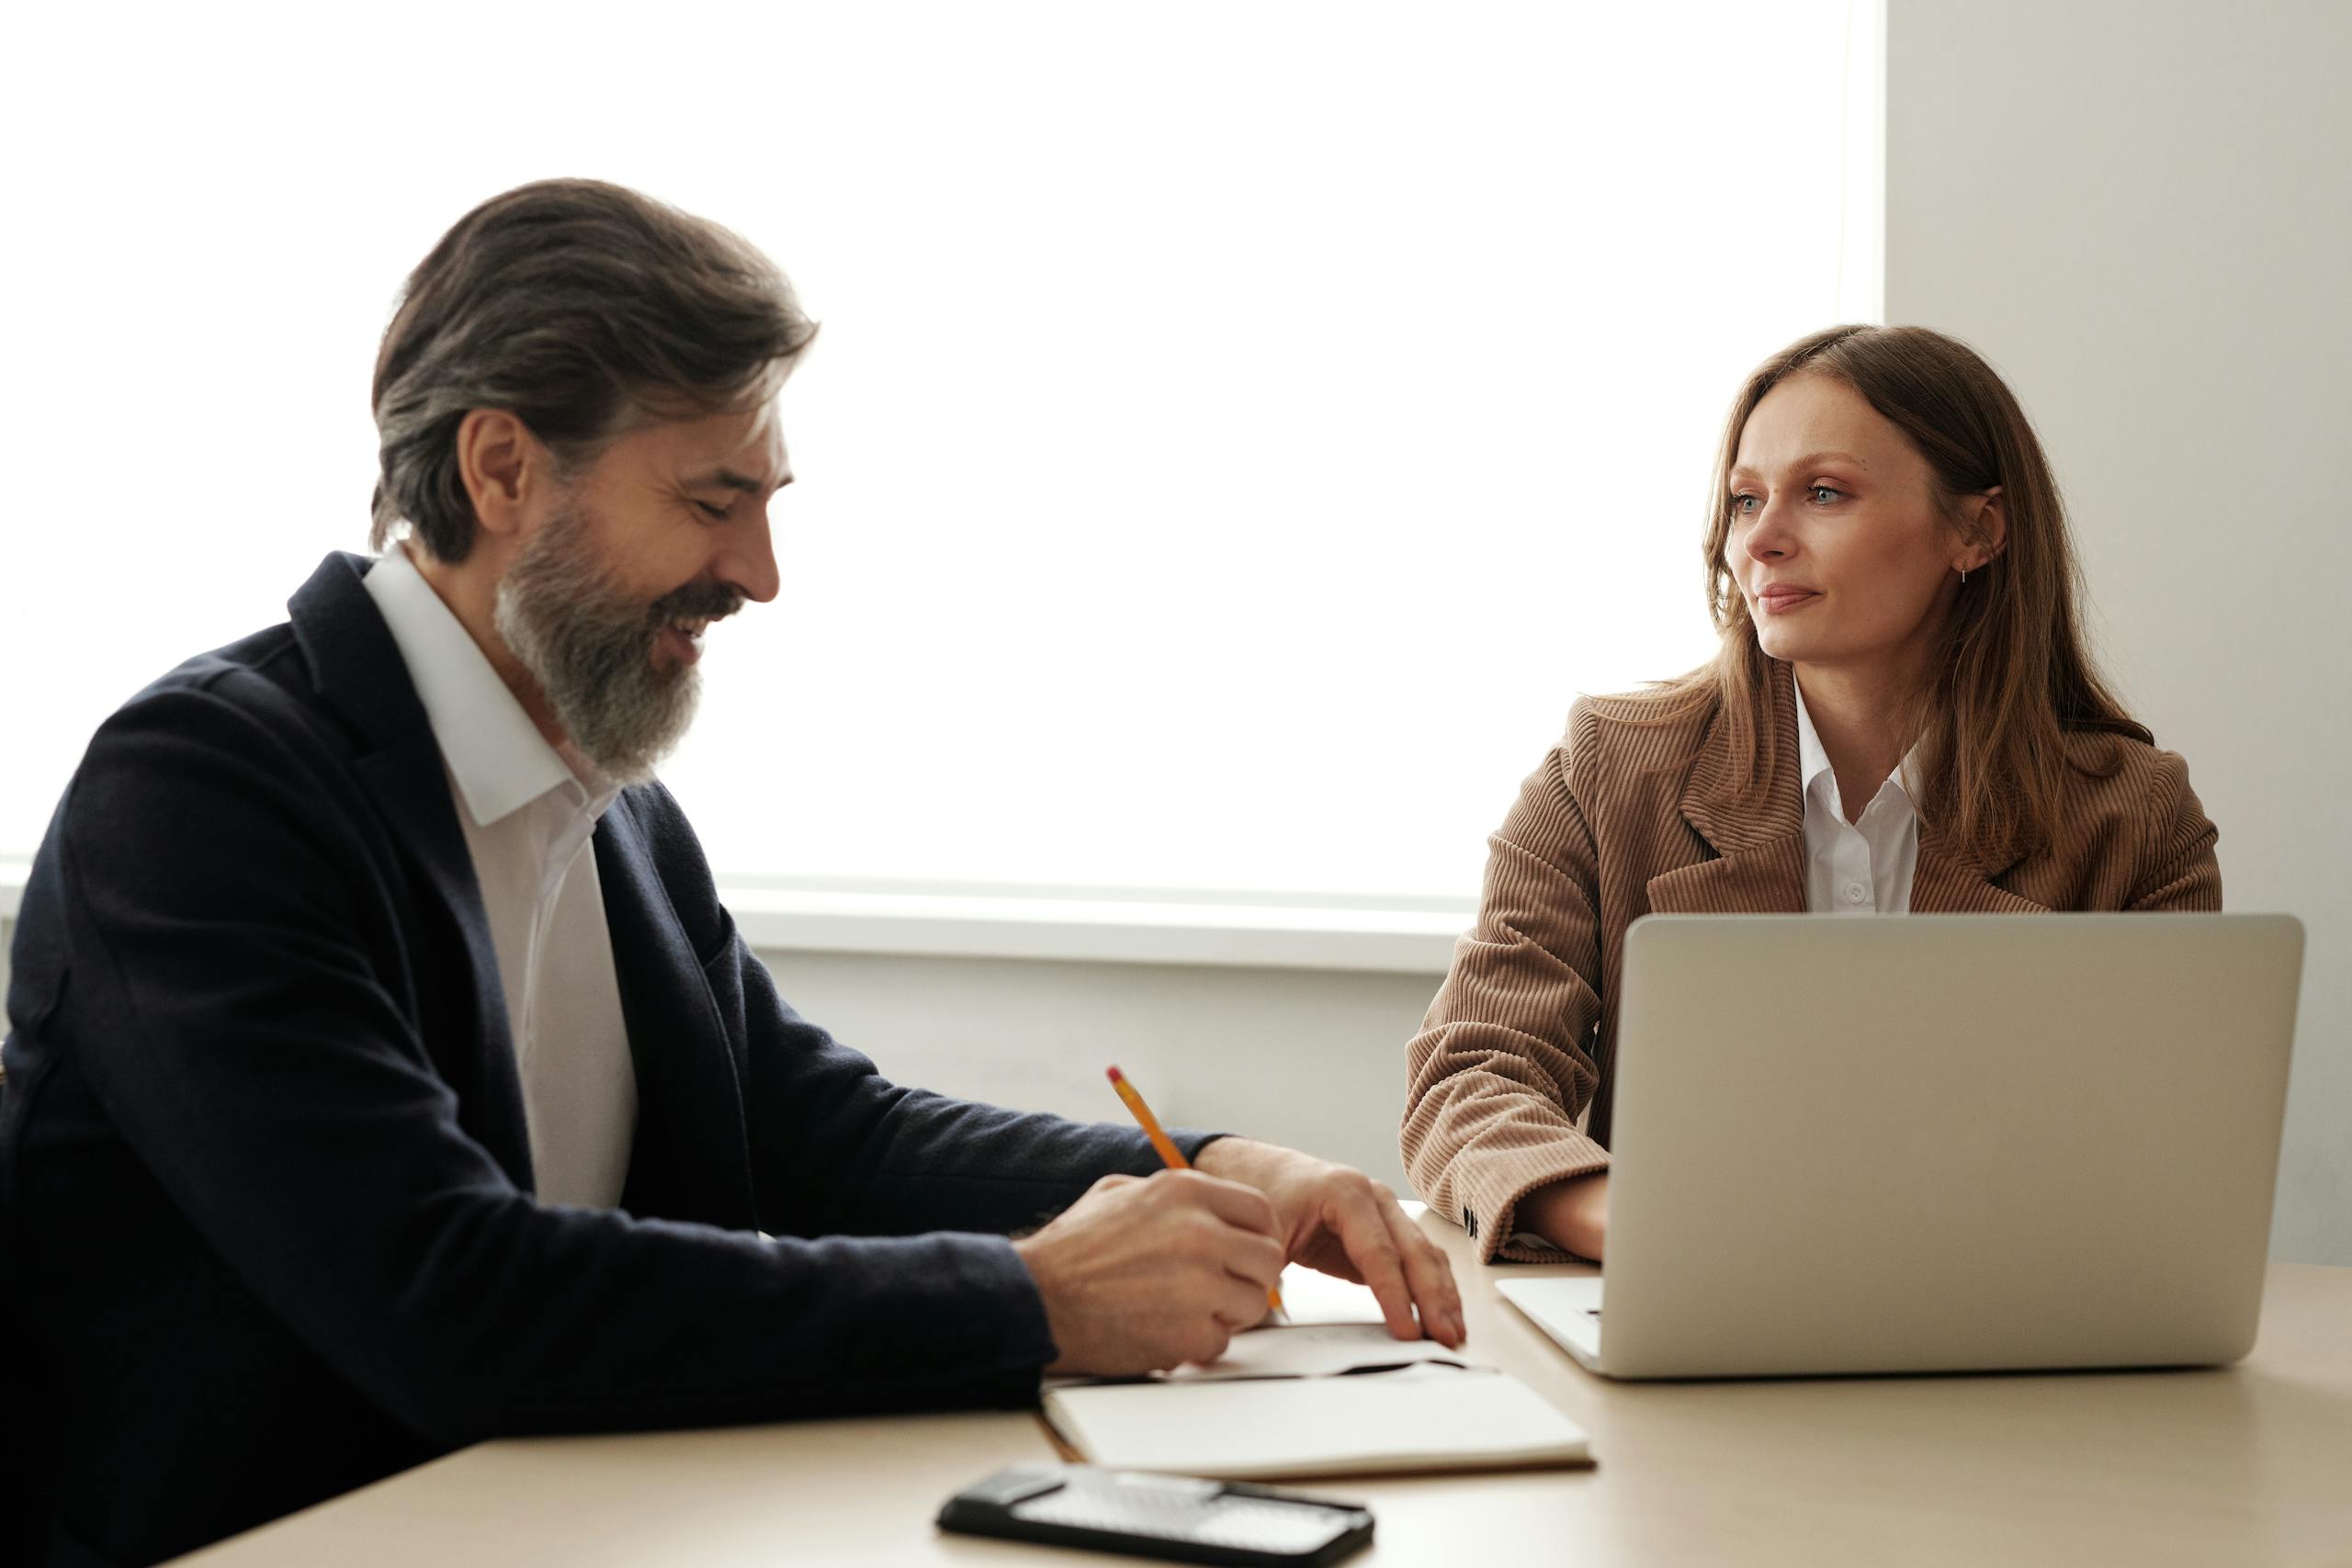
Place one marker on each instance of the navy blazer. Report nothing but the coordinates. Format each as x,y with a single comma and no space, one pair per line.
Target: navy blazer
267,1224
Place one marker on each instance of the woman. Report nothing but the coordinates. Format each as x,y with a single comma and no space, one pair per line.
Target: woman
1903,717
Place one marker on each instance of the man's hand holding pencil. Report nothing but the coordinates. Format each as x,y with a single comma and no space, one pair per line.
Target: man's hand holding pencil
1146,1274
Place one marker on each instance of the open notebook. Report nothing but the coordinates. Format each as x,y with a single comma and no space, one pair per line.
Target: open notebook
1328,1394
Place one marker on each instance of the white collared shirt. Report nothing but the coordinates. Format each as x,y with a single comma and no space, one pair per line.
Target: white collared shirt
527,814
1863,867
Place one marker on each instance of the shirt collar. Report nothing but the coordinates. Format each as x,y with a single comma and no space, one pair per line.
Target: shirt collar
1813,761
498,760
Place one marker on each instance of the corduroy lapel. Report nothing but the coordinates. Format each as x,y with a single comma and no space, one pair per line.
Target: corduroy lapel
1759,864
1951,881
1766,880
1760,868
357,671
1943,885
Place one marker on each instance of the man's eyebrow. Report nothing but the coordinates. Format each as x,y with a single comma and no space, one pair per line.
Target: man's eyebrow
730,480
1809,460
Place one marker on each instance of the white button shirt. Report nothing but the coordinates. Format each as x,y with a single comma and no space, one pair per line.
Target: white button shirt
1863,867
527,814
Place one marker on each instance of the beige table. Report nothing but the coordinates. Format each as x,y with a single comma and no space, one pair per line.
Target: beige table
2245,1466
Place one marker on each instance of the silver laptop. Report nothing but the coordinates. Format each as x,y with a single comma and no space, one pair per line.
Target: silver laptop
1937,1144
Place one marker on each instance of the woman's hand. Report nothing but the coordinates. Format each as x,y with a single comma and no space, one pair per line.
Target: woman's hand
1572,1213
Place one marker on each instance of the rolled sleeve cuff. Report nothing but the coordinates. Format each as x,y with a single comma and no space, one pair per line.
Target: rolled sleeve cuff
1491,1182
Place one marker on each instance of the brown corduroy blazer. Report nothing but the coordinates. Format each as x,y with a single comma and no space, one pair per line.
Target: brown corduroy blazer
1519,1040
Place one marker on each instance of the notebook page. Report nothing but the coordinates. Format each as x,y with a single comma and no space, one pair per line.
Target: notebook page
1424,1418
1311,1297
1313,1351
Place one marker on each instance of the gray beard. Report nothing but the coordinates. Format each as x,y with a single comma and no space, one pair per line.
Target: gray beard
590,647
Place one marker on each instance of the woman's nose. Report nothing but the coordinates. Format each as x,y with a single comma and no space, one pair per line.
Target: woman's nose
1768,538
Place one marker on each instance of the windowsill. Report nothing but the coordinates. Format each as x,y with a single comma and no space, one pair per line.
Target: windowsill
1064,926
1127,930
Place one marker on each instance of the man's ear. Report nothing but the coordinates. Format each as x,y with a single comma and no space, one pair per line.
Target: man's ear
1990,528
501,464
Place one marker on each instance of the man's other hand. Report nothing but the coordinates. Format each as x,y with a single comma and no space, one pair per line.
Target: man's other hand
1338,1220
1144,1273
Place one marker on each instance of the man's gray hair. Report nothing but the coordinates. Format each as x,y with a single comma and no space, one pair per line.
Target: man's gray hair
583,309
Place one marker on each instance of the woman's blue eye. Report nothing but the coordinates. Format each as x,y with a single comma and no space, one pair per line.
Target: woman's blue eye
1818,492
1742,504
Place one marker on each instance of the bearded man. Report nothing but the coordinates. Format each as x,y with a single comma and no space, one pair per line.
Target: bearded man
387,1074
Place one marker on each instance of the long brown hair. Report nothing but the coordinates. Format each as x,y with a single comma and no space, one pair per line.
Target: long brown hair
2013,678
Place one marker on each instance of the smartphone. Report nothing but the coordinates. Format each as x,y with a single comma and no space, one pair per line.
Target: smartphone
1176,1518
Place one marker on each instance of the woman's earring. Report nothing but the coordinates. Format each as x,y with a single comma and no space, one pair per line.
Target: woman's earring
1964,574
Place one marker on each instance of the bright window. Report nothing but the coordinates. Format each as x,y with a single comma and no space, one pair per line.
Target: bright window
1238,431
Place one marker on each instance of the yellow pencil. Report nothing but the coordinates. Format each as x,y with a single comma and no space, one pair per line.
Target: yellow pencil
1168,1153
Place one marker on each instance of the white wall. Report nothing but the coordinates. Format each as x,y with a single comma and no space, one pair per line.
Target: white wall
1311,1058
2141,213
2141,210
